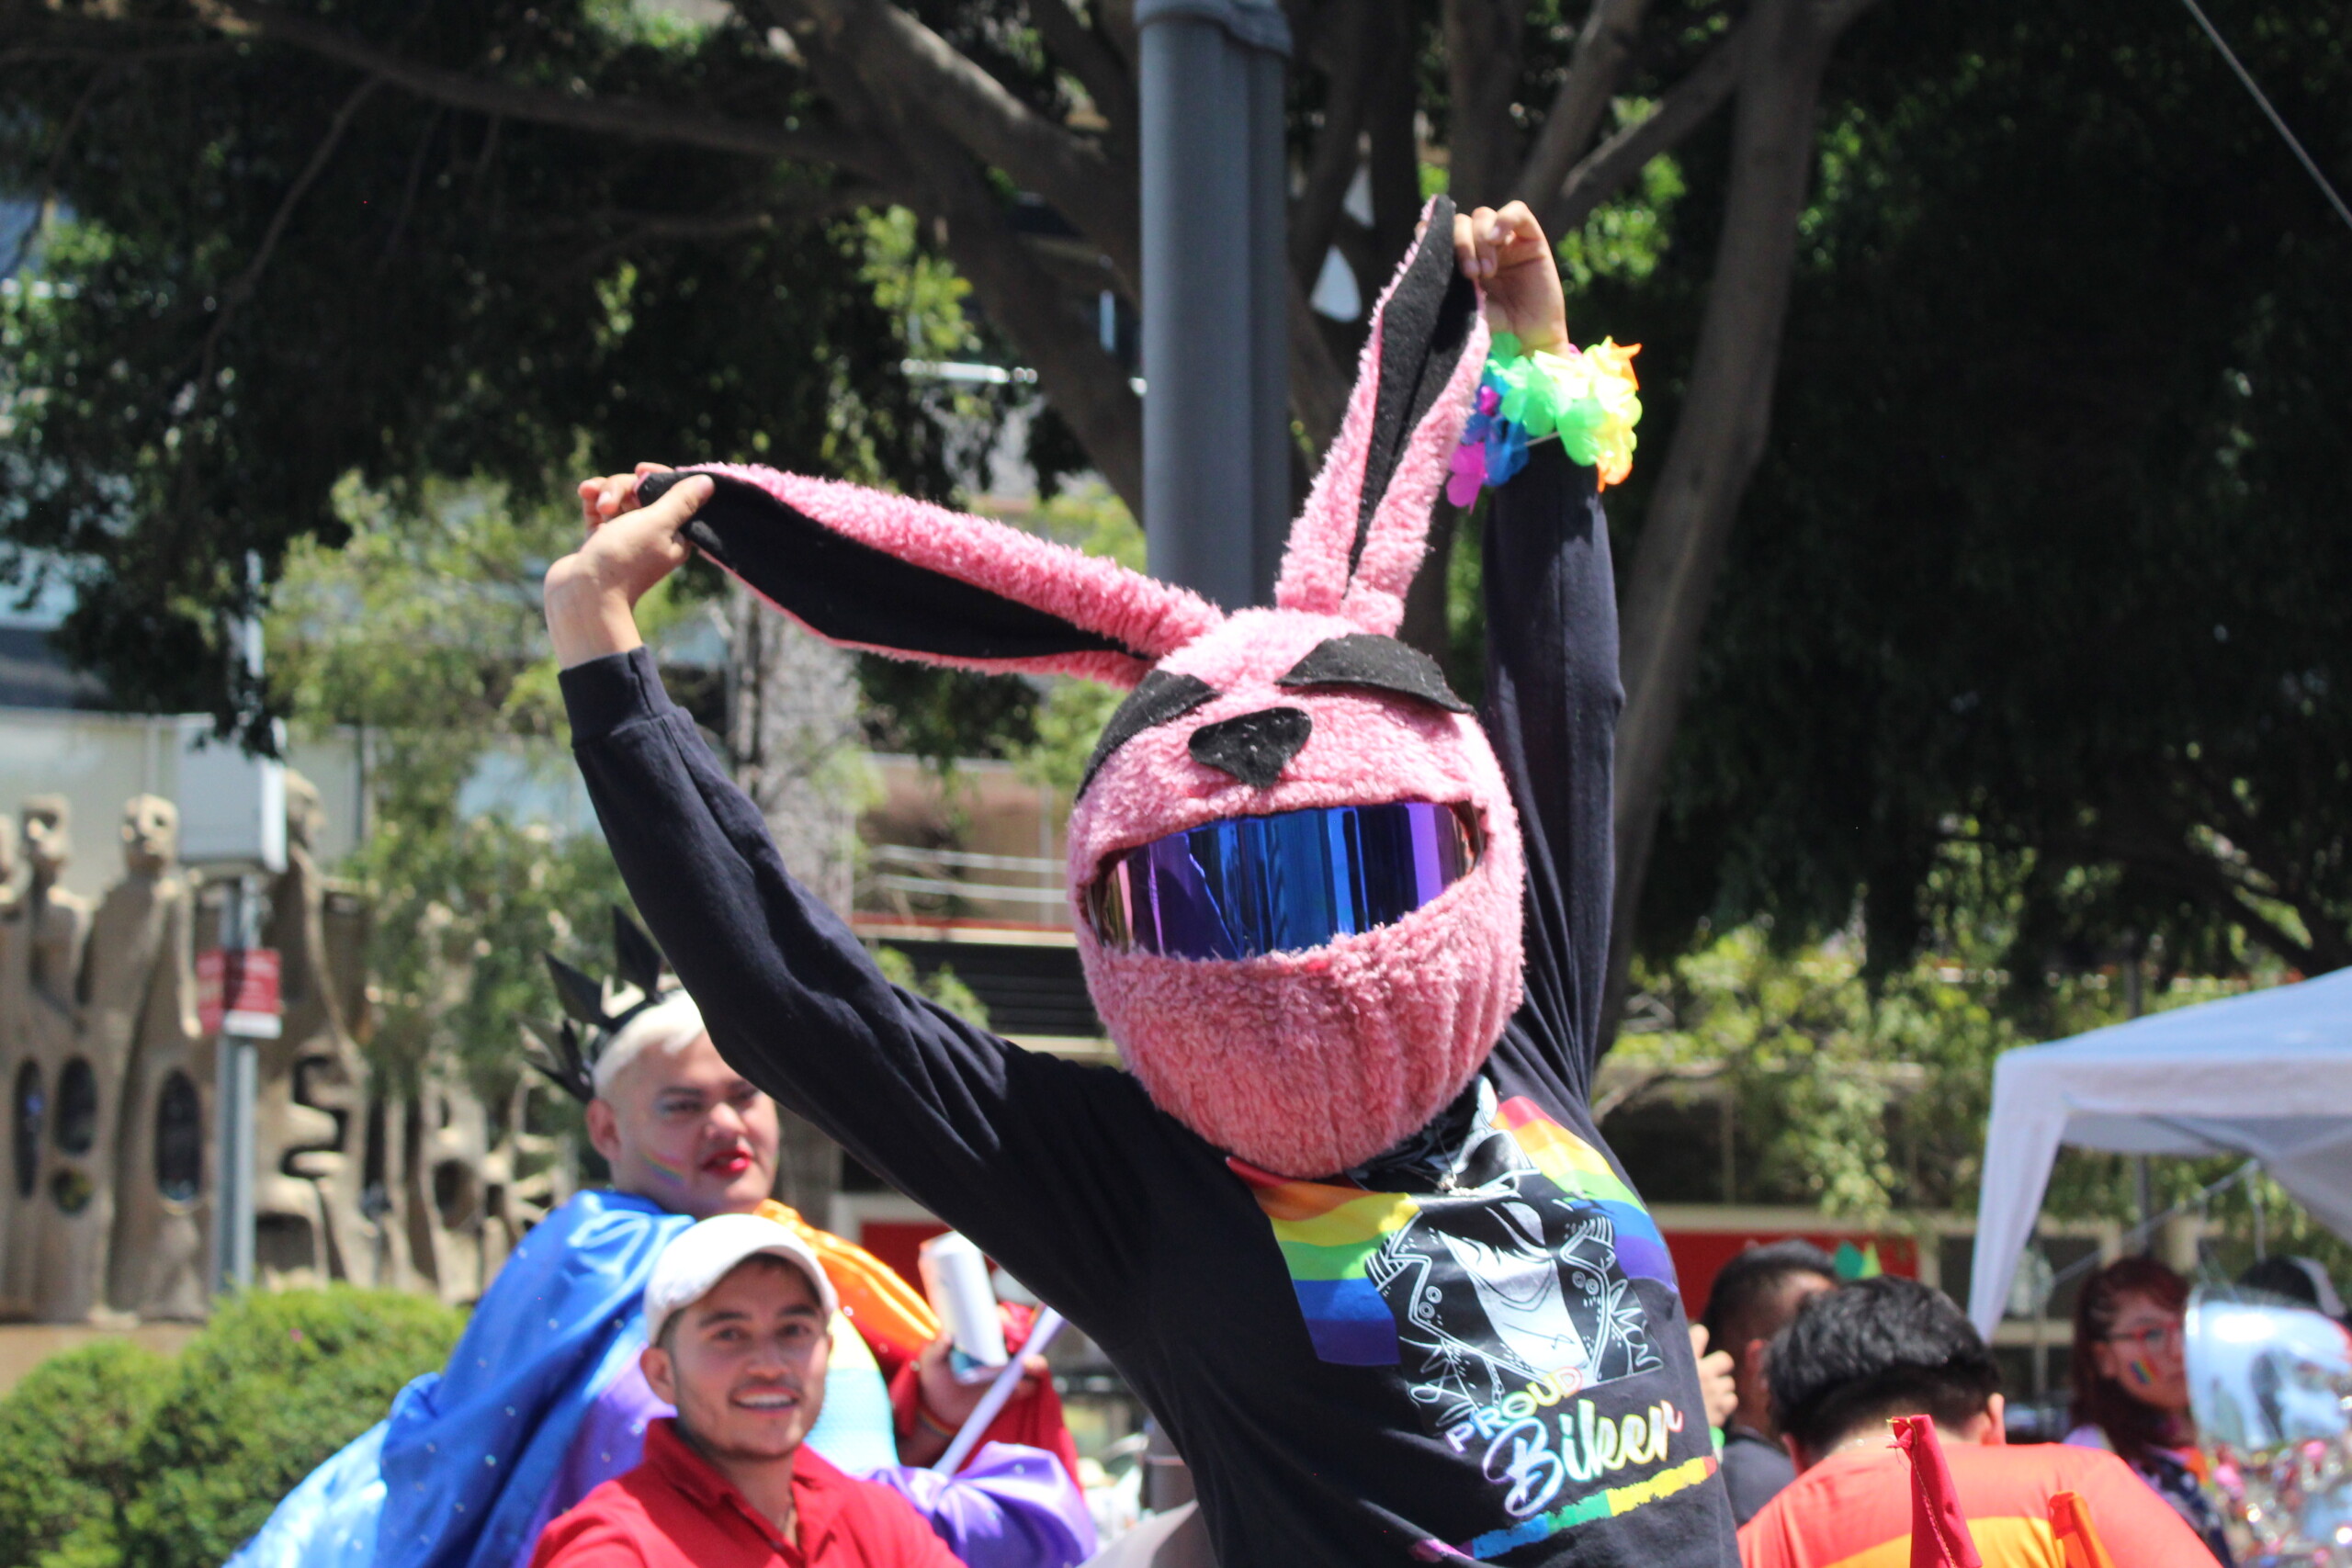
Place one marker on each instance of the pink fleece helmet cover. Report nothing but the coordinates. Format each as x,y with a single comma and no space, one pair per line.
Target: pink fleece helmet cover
1299,1063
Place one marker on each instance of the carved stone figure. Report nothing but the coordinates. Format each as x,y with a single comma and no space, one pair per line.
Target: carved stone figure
16,958
107,1163
135,990
311,1116
57,924
143,996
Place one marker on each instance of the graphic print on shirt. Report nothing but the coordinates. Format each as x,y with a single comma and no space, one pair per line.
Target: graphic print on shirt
1504,1301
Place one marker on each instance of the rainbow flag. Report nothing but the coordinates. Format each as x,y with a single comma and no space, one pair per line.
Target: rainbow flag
1327,1232
1580,1171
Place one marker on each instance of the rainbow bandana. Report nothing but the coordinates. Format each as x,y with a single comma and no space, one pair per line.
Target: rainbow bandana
1333,1237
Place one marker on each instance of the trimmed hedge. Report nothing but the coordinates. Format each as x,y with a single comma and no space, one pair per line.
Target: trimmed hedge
68,1431
120,1459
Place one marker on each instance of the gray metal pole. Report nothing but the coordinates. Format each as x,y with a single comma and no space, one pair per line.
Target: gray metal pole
236,1083
237,1071
1216,379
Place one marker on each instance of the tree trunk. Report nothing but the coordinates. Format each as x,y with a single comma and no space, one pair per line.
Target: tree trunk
793,737
1482,51
1720,436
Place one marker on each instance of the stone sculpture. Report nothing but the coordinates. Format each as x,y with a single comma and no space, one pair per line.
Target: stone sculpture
139,1030
313,1095
15,977
107,1151
43,1105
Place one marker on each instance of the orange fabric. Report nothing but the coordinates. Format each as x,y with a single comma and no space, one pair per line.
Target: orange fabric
896,1322
1853,1510
891,1314
2069,1520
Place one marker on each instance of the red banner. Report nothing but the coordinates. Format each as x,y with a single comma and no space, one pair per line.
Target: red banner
236,991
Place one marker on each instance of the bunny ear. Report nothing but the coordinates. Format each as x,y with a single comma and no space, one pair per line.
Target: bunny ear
903,577
1355,548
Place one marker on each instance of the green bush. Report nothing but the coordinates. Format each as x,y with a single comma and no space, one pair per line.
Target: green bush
272,1387
69,1430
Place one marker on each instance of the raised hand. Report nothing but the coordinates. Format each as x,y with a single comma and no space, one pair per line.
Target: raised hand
1506,254
591,594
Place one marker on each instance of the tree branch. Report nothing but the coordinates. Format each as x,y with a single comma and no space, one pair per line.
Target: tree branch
1603,49
1613,164
641,120
1091,60
724,223
1087,387
240,287
2287,873
2201,878
1346,68
39,219
1318,385
1482,50
1726,414
921,73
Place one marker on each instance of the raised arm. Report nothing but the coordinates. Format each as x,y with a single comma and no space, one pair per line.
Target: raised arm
1004,1145
1552,694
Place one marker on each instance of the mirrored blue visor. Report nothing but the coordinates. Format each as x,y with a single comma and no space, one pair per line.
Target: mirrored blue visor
1289,883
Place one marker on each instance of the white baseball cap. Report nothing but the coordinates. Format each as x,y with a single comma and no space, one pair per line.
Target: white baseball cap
704,1253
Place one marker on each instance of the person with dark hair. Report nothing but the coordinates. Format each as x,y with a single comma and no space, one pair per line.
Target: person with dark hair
2131,1373
1752,1299
2302,1281
1853,1359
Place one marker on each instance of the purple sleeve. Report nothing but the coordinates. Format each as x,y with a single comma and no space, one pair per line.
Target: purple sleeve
1011,1507
610,1441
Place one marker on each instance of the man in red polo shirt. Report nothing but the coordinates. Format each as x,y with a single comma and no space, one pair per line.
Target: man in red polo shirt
736,1313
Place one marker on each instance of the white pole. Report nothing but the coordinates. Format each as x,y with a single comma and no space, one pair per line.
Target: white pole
1048,1325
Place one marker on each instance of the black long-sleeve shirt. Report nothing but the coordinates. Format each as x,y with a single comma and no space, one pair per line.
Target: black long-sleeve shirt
1472,1349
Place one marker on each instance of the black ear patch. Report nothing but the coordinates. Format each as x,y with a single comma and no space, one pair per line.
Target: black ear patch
1422,332
1380,662
850,591
1255,747
1157,697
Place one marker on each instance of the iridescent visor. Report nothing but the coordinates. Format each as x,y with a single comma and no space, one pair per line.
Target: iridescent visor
1285,884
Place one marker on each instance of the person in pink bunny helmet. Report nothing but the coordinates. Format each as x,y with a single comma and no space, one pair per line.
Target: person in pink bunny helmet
1346,1224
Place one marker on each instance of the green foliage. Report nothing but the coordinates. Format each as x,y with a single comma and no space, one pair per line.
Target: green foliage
941,985
70,1429
449,293
1047,726
1624,239
1861,1094
424,629
119,1457
272,1387
2047,552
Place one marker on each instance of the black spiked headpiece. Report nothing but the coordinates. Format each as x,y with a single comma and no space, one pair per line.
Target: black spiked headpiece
596,1010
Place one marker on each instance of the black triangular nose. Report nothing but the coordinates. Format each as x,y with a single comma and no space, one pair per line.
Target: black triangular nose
1254,747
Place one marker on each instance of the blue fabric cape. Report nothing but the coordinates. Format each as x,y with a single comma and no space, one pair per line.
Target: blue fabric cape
458,1476
455,1476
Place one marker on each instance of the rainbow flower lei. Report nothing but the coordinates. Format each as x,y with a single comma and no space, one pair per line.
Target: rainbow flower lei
1587,399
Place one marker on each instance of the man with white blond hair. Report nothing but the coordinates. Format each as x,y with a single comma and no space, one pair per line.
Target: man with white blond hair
546,1397
738,1311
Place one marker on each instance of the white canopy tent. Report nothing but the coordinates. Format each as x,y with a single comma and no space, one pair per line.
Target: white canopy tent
2267,1074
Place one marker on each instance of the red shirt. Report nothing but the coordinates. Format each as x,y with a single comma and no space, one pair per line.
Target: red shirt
674,1511
1853,1510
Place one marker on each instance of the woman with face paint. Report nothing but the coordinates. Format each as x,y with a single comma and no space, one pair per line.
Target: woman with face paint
2132,1386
